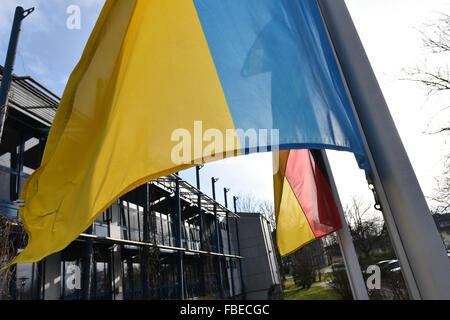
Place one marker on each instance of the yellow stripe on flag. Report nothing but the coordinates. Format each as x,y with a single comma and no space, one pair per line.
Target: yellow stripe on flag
100,147
293,229
279,161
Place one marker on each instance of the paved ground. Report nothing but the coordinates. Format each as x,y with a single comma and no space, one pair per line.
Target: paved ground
321,284
327,270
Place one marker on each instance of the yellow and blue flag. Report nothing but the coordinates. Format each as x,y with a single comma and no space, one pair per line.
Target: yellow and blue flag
156,72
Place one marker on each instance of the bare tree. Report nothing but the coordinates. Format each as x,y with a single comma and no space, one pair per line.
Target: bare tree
436,41
12,238
267,209
249,203
442,190
366,228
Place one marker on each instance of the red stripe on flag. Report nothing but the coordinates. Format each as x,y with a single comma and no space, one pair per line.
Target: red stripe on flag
313,193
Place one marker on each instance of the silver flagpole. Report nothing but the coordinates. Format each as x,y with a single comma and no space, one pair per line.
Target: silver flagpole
380,197
348,251
422,257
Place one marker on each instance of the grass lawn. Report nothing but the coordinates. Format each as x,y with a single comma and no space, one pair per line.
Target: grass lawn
292,292
313,293
325,278
327,267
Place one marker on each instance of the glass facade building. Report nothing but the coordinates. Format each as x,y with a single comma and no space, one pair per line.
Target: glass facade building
163,240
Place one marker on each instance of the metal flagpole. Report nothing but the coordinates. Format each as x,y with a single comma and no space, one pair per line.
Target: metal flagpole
348,251
413,232
19,15
381,198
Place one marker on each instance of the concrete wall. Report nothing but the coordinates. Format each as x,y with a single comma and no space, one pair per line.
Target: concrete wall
260,269
236,279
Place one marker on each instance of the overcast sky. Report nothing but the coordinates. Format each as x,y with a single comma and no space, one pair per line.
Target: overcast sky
49,51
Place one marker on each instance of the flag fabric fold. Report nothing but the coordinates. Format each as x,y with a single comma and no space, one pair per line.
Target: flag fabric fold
151,70
305,209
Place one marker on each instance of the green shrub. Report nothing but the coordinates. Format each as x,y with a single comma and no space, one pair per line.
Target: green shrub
340,283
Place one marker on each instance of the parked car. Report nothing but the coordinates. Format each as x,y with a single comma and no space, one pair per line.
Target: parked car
392,267
382,263
395,270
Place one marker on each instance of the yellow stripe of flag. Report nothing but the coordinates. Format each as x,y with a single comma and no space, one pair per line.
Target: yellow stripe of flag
99,147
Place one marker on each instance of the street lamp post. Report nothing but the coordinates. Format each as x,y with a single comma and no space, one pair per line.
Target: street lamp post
179,242
216,224
230,260
239,248
200,217
19,15
199,205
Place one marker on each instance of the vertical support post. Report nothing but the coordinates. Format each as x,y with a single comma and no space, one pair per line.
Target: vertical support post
94,283
19,15
413,232
225,191
88,261
137,218
169,230
345,241
108,220
63,280
129,220
200,217
216,221
13,177
199,205
44,270
16,162
167,281
152,223
180,253
38,287
33,280
113,273
20,161
146,236
239,248
39,268
12,283
131,275
216,225
162,229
